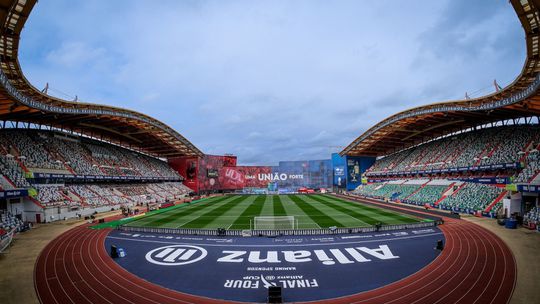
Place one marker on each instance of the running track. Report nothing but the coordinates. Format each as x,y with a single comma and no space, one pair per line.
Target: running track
475,267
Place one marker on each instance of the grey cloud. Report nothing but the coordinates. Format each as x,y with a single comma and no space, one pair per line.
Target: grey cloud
270,80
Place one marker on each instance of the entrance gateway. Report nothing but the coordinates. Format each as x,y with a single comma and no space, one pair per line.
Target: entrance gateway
307,268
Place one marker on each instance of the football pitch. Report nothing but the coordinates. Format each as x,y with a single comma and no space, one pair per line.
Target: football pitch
238,212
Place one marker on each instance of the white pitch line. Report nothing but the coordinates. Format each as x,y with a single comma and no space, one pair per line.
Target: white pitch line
185,222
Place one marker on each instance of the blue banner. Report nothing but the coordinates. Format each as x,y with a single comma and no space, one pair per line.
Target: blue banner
460,169
485,180
94,177
355,168
338,167
14,193
529,188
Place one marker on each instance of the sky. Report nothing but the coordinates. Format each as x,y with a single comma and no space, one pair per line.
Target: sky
271,80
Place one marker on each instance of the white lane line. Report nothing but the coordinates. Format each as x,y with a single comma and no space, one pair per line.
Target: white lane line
277,244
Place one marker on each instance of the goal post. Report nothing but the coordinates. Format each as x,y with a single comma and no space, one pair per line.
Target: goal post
275,223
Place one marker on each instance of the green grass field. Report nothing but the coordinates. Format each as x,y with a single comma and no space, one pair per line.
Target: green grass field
237,211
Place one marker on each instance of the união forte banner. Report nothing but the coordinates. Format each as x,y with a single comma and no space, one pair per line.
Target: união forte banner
216,173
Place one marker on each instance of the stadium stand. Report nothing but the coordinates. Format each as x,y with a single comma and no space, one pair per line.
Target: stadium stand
12,176
472,196
469,197
508,154
8,222
53,195
61,170
427,195
492,146
32,153
533,216
532,168
97,195
51,152
393,190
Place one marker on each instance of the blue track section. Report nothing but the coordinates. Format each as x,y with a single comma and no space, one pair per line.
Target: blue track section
307,268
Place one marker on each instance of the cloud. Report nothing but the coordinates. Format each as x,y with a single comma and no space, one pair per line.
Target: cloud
71,54
271,80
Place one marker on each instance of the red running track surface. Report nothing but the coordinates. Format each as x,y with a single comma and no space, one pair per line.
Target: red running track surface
476,266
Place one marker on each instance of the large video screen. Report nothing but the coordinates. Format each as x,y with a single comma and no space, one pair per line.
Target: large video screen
217,173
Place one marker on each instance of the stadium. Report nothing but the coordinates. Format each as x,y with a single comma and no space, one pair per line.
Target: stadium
435,204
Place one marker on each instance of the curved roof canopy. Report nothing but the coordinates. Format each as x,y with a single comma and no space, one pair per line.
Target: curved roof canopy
414,126
20,101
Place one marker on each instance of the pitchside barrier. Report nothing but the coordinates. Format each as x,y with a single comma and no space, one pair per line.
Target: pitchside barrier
257,232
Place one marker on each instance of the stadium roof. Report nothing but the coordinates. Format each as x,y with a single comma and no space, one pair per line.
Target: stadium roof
22,102
519,99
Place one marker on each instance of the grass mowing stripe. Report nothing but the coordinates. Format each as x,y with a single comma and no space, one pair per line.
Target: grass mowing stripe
243,221
291,209
237,211
208,217
279,210
153,216
357,215
385,212
226,219
268,206
382,212
149,214
315,214
182,212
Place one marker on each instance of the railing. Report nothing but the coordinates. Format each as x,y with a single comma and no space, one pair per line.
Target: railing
281,232
5,240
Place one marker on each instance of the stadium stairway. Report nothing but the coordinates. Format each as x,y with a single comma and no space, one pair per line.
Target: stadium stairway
455,155
495,148
55,155
117,168
495,201
76,198
6,183
479,156
92,161
434,157
22,165
419,157
458,189
439,200
535,179
453,194
526,150
445,191
68,167
102,197
35,201
417,190
67,197
82,200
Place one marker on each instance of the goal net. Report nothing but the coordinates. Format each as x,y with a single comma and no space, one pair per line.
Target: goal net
274,223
